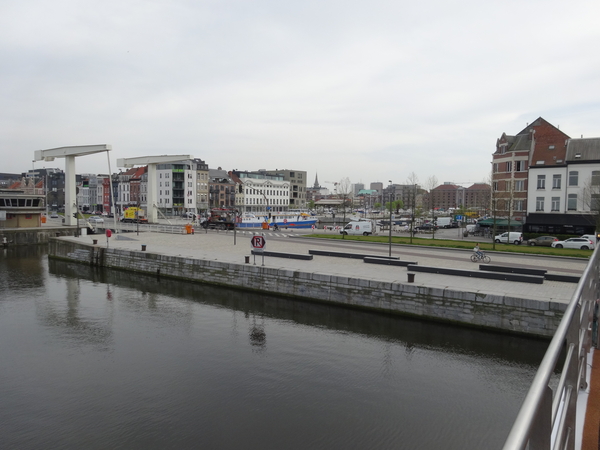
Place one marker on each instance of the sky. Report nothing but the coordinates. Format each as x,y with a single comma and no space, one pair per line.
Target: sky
369,91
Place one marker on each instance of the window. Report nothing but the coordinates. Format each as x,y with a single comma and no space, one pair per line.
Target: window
595,204
555,204
573,178
519,185
520,166
518,205
539,203
572,202
541,182
509,166
596,178
556,181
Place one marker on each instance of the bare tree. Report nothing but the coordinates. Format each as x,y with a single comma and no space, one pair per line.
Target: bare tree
430,185
411,201
495,198
344,191
591,199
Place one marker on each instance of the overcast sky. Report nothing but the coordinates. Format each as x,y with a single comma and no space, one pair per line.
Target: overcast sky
370,90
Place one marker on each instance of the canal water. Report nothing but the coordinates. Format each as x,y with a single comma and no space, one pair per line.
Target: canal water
100,359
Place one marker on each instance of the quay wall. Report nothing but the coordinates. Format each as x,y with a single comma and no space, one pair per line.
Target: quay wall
33,236
497,312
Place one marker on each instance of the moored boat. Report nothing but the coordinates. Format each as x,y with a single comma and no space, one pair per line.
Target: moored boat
283,220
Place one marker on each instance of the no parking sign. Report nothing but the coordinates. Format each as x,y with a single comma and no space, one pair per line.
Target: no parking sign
258,243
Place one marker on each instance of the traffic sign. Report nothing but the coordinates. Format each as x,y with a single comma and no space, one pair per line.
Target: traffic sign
258,243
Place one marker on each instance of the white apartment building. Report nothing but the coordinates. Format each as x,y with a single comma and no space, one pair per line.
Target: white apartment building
176,186
565,198
263,193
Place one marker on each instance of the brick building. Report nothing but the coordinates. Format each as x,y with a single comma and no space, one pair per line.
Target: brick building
540,143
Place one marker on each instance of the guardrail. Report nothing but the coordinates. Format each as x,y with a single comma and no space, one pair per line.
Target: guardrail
548,415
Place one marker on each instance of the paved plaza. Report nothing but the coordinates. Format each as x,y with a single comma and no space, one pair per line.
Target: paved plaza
235,247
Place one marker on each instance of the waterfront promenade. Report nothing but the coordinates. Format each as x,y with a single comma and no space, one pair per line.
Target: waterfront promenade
225,247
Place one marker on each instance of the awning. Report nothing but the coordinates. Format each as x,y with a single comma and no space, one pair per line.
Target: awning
499,223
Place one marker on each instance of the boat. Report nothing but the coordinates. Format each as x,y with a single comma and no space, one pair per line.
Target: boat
285,220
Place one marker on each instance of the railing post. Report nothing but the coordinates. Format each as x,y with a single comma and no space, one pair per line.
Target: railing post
541,429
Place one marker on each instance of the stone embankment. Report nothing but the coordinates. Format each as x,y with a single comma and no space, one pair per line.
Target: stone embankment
491,311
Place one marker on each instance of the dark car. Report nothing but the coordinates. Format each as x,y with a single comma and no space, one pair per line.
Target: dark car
426,227
545,241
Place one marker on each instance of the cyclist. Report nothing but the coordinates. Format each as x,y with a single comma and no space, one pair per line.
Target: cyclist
478,252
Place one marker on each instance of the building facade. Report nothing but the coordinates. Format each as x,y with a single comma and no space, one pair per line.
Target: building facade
538,144
297,181
261,192
564,197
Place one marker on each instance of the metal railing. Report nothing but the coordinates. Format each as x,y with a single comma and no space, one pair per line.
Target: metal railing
547,417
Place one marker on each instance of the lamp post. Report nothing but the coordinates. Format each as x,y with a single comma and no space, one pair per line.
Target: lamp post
390,200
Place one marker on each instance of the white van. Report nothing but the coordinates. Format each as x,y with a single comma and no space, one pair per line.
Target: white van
364,227
515,238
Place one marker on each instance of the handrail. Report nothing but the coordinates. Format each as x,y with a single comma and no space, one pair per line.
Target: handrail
539,419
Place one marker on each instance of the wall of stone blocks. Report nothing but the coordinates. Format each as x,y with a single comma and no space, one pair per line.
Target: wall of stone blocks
498,312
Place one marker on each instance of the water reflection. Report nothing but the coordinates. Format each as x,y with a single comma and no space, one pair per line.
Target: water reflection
117,359
21,268
144,292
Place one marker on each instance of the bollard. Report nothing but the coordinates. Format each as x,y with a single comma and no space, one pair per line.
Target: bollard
247,259
143,247
411,277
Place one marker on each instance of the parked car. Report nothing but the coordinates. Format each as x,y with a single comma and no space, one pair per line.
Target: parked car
580,243
515,238
591,237
426,227
542,240
95,219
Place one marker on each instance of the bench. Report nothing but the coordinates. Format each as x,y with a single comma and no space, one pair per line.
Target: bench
388,261
507,269
478,274
347,255
565,278
283,255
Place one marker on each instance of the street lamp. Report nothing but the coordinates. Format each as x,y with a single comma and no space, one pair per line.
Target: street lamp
390,200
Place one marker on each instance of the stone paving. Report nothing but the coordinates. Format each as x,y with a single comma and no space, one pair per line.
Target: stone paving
230,247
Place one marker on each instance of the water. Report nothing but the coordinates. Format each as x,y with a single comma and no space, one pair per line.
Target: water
103,359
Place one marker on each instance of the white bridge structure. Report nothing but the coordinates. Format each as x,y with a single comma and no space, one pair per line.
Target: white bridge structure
70,153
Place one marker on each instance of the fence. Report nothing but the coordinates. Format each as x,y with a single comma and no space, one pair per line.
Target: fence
547,417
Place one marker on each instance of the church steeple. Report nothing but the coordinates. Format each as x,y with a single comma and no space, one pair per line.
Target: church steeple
316,186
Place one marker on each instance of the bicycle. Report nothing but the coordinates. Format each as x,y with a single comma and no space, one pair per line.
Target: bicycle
481,257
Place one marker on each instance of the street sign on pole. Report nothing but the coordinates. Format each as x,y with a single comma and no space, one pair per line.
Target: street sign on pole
258,243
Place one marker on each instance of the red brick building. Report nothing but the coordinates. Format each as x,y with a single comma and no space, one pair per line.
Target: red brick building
539,142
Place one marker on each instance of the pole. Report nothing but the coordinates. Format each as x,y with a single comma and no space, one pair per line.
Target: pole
390,199
111,199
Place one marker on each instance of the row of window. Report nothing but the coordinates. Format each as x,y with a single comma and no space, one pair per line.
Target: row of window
519,166
573,179
555,203
21,202
259,201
